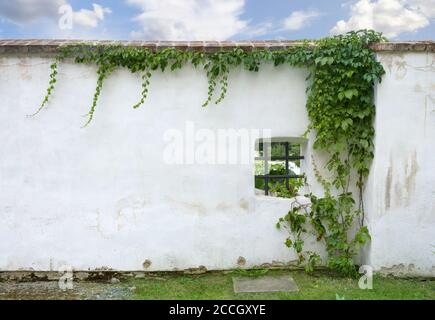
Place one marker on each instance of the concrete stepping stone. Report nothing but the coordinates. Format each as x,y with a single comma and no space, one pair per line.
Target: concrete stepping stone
265,284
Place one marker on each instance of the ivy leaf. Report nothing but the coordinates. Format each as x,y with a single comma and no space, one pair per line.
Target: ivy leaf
363,235
349,73
346,123
364,143
350,93
298,244
324,60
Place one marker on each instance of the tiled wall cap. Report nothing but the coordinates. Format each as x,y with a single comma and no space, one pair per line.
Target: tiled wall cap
33,45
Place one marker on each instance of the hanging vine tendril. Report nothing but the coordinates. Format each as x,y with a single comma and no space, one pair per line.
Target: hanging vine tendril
145,84
103,72
224,85
52,82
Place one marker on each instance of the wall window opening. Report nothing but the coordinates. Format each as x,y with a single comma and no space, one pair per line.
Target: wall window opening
278,168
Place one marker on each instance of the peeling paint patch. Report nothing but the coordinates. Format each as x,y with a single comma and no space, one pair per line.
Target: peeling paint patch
244,204
196,207
388,182
402,183
223,206
394,61
398,194
411,173
401,69
24,67
400,270
418,88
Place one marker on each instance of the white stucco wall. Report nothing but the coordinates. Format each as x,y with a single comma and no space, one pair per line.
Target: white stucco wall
401,191
102,196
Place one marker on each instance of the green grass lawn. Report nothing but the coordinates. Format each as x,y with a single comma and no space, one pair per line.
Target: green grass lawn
320,285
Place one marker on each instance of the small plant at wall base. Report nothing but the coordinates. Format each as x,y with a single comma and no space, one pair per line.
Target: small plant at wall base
342,73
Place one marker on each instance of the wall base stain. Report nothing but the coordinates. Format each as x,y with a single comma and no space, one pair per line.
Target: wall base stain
146,264
241,261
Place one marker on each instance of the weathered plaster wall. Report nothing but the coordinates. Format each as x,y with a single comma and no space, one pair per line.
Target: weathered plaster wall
103,197
401,190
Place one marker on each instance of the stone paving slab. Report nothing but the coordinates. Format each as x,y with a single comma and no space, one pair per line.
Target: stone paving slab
265,284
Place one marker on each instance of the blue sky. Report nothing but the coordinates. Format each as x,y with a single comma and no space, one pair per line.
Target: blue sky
214,19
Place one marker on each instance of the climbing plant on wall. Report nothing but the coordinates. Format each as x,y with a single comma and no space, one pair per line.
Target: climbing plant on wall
342,73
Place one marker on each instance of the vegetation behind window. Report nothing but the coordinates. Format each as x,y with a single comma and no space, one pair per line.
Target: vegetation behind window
278,169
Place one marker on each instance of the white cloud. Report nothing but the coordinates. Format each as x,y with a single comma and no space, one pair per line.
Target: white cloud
259,29
392,17
90,18
190,19
299,19
427,7
24,12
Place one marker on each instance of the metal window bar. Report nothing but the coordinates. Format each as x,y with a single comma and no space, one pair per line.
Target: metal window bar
266,176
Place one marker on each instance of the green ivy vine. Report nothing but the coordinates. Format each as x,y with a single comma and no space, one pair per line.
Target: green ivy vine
340,107
342,73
